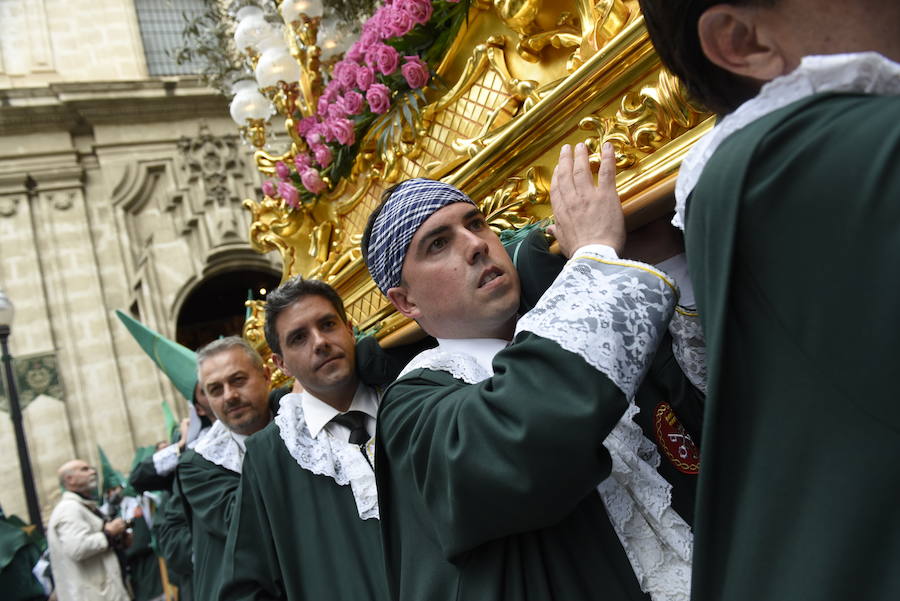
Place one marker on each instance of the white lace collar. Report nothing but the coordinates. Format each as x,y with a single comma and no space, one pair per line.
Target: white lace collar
318,413
220,446
466,359
863,72
325,455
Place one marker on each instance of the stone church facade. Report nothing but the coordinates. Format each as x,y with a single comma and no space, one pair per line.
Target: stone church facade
119,189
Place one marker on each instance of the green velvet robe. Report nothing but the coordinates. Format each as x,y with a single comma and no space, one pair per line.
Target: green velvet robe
488,491
143,565
297,535
17,557
207,494
173,539
793,234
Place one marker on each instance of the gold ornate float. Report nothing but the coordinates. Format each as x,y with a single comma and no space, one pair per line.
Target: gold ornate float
524,77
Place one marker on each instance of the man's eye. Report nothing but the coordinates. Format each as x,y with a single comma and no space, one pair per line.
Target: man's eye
437,244
477,225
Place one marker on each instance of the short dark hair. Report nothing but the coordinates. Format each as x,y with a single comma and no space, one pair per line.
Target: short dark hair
367,233
673,28
289,293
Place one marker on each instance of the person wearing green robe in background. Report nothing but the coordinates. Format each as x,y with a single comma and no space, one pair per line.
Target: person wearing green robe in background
491,454
306,521
791,209
18,555
236,382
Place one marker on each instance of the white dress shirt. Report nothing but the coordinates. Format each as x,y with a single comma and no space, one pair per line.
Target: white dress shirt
319,414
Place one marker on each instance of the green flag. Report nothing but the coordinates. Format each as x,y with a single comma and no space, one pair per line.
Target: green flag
176,361
111,476
171,422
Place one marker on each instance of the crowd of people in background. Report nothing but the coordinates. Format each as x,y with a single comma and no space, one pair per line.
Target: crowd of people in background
614,418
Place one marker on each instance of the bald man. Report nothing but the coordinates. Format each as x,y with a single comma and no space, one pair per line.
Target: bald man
80,540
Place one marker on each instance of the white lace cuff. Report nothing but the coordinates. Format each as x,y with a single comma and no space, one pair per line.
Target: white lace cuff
220,447
689,346
610,312
165,460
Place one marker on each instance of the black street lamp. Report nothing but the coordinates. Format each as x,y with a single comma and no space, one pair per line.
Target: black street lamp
31,498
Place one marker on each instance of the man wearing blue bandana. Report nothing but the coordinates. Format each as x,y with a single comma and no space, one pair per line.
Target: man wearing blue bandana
791,210
507,461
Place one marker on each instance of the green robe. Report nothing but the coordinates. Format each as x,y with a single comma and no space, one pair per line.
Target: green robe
298,535
793,233
488,491
17,557
173,538
207,493
143,564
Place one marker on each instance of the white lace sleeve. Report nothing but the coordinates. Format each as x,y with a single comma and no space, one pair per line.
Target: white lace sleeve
689,346
610,312
165,460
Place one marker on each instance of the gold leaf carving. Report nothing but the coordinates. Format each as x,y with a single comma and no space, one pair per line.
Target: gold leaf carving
509,206
646,120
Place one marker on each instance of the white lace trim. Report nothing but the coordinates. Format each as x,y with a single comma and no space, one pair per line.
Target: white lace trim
610,312
219,446
864,72
165,460
657,541
459,365
328,456
689,346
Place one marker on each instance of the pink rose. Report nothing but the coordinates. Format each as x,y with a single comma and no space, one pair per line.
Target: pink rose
341,130
356,52
269,189
322,106
312,181
365,77
282,170
323,155
415,71
352,103
306,124
316,134
384,58
419,10
395,23
302,162
289,194
345,74
379,98
336,110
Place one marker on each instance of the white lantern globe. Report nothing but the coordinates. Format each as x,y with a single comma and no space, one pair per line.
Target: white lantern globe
252,28
276,64
248,103
333,40
292,9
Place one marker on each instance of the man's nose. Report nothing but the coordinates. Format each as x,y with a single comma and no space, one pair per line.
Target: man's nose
320,343
475,246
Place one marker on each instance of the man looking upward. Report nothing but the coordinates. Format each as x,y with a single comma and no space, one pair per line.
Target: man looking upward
306,522
489,453
792,209
237,386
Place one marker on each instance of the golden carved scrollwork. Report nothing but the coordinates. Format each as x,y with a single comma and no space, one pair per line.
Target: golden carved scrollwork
512,205
271,228
646,120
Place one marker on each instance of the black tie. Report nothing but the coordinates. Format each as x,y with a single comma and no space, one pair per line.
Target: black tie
355,421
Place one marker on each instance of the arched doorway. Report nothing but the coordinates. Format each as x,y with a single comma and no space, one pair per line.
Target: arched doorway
215,307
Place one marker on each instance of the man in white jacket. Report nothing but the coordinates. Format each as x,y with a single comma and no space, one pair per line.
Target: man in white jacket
81,541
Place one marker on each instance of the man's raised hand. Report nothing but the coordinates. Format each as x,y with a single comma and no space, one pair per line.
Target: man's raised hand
586,213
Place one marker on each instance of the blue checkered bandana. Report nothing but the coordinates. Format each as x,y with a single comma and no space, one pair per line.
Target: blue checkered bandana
414,201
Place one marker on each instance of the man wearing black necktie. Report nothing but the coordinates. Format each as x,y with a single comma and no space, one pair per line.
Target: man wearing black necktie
306,521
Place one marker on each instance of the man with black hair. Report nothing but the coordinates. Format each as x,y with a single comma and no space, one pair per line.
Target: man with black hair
791,213
306,522
509,465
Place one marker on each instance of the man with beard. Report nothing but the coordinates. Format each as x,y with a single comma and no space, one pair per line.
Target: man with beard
81,541
237,386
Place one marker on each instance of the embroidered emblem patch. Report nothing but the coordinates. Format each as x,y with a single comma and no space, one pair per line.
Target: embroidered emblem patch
675,442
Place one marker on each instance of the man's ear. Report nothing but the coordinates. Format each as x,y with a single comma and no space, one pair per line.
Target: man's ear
279,363
739,40
399,295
